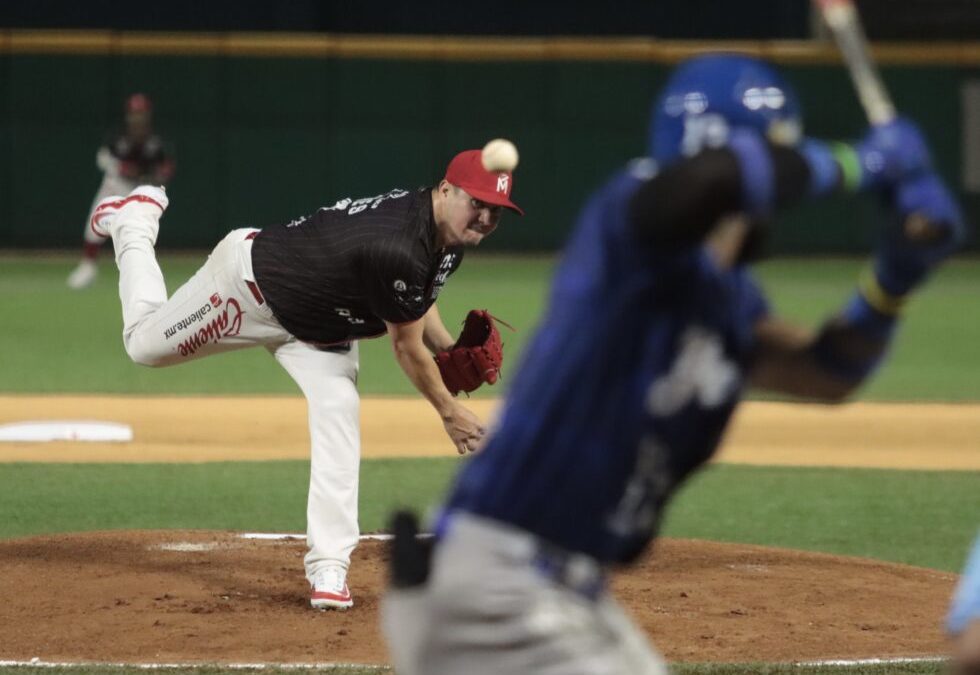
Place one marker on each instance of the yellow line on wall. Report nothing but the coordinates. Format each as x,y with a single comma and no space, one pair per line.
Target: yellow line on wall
454,48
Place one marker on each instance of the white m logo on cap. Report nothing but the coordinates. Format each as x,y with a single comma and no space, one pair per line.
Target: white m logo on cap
502,181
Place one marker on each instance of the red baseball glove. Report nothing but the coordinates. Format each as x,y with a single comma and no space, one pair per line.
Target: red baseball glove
477,355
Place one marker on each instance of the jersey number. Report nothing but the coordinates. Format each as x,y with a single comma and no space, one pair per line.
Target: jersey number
347,315
701,372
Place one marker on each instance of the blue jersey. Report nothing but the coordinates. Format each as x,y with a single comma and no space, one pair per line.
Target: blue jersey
624,390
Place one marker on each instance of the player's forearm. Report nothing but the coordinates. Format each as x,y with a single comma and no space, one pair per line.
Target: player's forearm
852,345
831,363
434,333
416,361
829,368
855,342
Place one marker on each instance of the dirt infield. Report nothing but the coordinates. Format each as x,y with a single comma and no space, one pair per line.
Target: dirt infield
214,597
152,597
202,429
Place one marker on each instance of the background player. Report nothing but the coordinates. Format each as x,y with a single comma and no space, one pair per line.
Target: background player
654,328
307,290
128,158
964,618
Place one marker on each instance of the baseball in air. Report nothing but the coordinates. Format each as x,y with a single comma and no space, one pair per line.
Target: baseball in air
499,155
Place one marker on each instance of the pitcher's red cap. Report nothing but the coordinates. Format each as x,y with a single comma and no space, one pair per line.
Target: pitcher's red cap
493,187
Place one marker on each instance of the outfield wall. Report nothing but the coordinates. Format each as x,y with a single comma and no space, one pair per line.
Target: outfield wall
267,127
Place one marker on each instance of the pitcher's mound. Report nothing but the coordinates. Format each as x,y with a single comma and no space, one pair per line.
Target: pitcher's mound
197,596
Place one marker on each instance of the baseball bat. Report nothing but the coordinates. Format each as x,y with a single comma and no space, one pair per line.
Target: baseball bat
842,18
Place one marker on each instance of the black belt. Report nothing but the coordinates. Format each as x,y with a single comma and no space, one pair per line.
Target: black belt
252,286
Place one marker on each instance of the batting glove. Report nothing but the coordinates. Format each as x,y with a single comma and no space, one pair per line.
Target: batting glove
928,227
890,153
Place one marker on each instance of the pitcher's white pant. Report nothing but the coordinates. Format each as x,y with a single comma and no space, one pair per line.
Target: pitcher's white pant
112,184
216,311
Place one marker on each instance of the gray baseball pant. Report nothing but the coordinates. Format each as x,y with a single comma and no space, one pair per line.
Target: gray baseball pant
488,608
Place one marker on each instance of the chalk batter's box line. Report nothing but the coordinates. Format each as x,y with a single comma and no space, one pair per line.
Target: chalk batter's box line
37,663
289,535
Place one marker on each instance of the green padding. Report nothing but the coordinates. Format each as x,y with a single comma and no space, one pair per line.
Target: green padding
262,140
5,150
382,92
259,188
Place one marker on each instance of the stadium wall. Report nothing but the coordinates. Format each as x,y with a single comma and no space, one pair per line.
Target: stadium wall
268,127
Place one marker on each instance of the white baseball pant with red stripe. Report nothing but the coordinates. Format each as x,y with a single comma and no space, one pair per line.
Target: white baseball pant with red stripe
221,309
112,184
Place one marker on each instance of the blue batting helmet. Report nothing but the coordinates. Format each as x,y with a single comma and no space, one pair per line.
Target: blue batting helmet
709,95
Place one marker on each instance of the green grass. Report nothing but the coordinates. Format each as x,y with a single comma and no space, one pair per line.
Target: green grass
255,496
924,518
919,518
54,340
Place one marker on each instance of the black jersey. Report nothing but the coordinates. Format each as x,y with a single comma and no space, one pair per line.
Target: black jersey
340,273
149,160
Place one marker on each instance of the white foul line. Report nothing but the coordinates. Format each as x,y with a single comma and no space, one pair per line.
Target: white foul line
288,535
38,663
873,662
